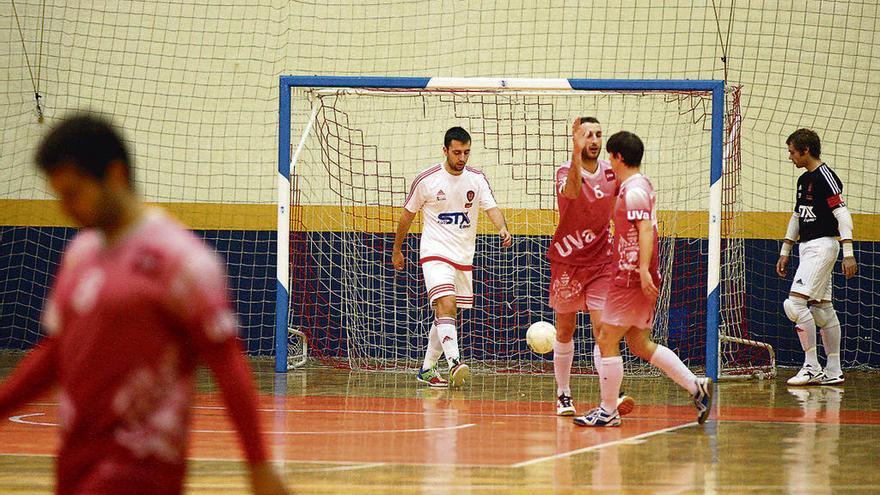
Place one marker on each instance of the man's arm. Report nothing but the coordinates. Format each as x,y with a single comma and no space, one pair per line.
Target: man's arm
233,376
199,296
34,375
406,219
497,218
791,236
646,252
572,188
845,227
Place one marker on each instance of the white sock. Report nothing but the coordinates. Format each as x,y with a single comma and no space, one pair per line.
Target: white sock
597,360
563,355
434,350
448,339
806,332
670,364
609,384
831,341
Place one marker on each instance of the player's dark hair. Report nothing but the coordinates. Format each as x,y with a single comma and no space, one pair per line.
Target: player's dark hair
457,134
628,146
87,142
592,120
805,139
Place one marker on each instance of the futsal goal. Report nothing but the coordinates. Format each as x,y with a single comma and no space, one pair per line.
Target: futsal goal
349,148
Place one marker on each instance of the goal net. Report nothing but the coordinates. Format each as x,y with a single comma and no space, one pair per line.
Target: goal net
355,151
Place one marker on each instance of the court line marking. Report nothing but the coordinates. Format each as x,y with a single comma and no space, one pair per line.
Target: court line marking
602,445
300,461
24,420
20,419
442,412
353,467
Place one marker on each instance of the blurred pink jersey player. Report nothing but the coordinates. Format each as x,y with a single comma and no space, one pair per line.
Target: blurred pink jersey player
629,307
137,303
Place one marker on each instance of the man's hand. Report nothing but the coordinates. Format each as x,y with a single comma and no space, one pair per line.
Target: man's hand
265,481
397,259
578,136
780,266
649,289
849,267
506,238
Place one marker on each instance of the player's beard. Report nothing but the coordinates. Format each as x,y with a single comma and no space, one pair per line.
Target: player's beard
588,155
454,165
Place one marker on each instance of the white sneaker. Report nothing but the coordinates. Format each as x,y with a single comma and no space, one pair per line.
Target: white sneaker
598,417
808,375
564,406
458,374
831,378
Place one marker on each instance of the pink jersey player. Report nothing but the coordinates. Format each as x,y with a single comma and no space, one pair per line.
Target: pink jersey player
127,323
636,201
629,307
580,251
137,303
582,234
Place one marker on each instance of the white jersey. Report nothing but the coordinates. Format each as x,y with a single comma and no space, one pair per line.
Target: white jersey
450,206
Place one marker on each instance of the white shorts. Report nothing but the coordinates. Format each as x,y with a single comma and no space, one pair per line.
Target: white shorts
813,275
443,279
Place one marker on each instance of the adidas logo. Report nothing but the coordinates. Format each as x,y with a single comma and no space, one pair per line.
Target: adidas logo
446,339
799,282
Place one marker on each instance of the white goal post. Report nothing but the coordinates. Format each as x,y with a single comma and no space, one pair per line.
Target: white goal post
357,181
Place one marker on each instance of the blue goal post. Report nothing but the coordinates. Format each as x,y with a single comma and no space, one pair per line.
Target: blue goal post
715,88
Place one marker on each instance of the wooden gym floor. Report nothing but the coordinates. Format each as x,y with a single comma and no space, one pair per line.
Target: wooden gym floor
335,431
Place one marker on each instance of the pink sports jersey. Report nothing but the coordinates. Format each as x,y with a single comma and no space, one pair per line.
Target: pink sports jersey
127,323
450,206
582,235
636,201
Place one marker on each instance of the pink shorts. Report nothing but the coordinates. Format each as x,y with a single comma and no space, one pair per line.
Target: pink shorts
578,288
628,307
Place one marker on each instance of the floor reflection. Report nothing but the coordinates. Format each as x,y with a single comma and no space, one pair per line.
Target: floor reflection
812,452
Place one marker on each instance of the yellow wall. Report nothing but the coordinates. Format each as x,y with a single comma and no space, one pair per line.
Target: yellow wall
361,219
195,85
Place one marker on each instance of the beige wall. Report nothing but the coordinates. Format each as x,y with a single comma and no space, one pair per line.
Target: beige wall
195,87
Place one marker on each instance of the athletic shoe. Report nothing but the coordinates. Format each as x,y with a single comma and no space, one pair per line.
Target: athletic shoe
564,406
458,374
831,378
432,378
703,399
598,417
808,375
625,404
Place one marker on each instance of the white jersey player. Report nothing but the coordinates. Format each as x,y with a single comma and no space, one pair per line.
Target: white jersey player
450,196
